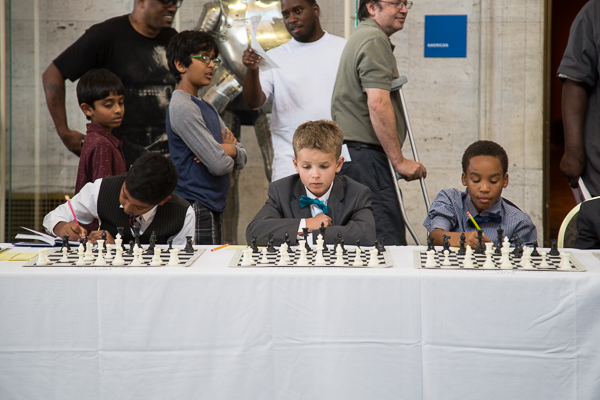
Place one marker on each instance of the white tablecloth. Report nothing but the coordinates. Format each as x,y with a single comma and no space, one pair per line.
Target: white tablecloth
213,332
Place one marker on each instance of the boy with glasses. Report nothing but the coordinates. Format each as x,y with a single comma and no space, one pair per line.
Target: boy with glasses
203,149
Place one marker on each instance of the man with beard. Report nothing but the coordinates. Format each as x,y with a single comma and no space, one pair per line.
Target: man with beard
370,114
302,85
133,47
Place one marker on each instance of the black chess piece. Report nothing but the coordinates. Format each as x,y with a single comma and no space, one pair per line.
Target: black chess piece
86,238
446,243
535,252
253,245
120,231
103,236
554,248
131,244
170,243
322,233
151,244
381,244
518,251
286,239
342,242
305,236
462,249
499,239
136,231
479,249
189,245
430,245
377,245
270,246
65,243
358,243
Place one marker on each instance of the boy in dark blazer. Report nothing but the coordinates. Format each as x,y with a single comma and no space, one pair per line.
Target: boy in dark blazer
316,195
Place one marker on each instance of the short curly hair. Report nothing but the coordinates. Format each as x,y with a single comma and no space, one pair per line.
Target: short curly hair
151,178
485,148
186,43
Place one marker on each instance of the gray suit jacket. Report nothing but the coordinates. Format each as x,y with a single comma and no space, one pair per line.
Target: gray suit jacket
349,207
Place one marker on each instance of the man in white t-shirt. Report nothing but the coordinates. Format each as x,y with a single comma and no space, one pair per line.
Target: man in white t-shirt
302,85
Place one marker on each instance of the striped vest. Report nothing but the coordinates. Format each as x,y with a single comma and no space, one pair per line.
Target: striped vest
167,222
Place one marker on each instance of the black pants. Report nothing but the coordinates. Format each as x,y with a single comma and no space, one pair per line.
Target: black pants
370,167
208,225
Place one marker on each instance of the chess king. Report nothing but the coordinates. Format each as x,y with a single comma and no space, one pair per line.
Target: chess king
142,197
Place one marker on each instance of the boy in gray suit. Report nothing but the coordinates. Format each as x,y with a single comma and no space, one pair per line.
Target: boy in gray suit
316,195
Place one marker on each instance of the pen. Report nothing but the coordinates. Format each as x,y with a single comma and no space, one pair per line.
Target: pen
474,223
72,212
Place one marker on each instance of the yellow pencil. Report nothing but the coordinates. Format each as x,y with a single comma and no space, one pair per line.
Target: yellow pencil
220,247
475,223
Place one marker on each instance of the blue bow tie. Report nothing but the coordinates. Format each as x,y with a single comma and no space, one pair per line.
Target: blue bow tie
480,219
306,201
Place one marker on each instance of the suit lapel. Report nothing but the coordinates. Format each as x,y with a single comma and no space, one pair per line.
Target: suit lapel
335,203
298,211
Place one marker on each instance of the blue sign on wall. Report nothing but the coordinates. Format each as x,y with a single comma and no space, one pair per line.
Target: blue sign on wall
445,36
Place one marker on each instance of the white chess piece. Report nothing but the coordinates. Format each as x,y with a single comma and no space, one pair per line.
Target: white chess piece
65,257
118,242
505,262
156,260
46,257
358,262
264,259
319,260
489,261
489,246
526,259
373,258
89,255
446,262
565,261
302,260
81,259
81,248
247,258
283,256
468,260
140,253
41,259
430,262
339,254
100,259
174,258
118,260
100,244
108,255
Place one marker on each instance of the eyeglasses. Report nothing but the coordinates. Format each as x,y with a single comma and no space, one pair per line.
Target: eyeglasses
169,3
206,59
399,5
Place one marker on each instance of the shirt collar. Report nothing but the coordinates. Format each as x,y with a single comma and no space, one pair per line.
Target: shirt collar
323,198
373,23
99,129
149,215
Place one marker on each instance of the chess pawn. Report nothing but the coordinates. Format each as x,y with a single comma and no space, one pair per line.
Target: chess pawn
358,262
247,260
41,259
339,254
544,262
283,256
174,258
446,262
156,260
489,262
108,255
264,259
81,259
430,262
373,260
89,255
302,260
468,260
140,256
65,257
565,261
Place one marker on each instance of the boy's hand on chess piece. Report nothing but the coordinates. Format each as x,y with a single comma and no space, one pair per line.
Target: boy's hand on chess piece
314,223
471,239
95,235
70,229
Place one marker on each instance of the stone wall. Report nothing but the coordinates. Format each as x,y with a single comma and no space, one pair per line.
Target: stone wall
495,93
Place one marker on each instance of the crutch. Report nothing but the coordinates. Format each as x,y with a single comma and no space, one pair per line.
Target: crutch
397,85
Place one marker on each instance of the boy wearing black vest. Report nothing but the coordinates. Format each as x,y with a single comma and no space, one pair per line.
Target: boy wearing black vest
143,196
203,149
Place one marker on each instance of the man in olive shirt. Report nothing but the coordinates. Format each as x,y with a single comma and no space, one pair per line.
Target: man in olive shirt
370,114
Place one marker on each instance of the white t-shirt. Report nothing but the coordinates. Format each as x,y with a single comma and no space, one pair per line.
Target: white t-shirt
301,87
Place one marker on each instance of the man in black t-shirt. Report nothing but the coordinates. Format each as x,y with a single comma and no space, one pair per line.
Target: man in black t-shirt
133,47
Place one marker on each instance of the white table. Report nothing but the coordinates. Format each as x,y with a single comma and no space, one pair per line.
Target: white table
212,332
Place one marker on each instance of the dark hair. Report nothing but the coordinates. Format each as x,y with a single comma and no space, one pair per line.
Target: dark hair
186,43
485,148
98,84
151,178
309,2
363,13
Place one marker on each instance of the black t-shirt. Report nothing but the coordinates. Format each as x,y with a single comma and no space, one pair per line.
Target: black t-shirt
141,64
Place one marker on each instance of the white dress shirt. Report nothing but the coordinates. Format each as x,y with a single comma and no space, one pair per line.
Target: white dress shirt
314,211
84,205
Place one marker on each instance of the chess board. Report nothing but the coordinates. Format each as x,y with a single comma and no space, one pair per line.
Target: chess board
55,254
385,258
456,262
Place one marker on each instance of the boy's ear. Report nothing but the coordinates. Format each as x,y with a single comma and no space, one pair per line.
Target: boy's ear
463,179
505,181
87,109
179,66
295,164
165,200
339,164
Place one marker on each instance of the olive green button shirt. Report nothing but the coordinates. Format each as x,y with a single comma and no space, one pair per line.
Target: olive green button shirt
367,62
